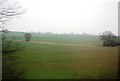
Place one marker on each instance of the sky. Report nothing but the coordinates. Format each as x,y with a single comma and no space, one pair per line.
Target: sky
66,16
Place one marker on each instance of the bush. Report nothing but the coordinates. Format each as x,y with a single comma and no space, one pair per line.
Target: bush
109,39
10,65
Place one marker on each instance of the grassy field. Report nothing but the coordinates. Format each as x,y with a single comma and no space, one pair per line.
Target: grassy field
52,61
61,38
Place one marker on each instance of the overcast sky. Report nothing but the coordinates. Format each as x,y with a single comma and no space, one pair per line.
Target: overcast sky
65,16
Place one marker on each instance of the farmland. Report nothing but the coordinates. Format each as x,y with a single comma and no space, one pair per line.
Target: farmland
89,60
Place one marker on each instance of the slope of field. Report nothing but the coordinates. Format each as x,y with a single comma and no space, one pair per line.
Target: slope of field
54,61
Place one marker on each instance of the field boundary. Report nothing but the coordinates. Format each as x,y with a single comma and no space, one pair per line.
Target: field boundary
42,42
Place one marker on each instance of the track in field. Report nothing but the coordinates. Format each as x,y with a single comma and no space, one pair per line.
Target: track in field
39,42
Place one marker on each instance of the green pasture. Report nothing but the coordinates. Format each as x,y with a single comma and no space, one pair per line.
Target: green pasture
47,61
60,38
54,61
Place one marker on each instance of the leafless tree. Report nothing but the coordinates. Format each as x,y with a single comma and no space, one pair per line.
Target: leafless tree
8,10
10,70
27,36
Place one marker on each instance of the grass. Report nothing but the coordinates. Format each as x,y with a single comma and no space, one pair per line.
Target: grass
45,61
54,61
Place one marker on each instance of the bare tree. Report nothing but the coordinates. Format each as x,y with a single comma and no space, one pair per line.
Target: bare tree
27,36
8,10
10,69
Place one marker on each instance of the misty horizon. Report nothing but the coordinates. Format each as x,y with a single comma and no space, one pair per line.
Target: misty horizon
66,16
72,33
